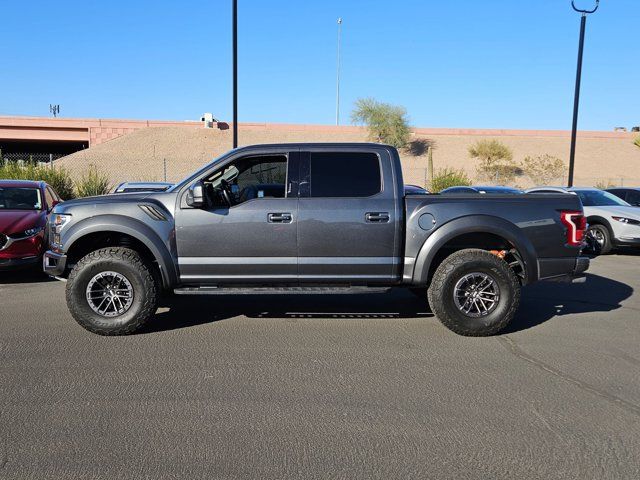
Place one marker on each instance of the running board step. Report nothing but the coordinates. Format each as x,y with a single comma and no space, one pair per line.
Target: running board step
278,290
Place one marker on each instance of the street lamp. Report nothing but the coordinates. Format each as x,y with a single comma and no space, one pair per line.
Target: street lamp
338,74
576,98
234,20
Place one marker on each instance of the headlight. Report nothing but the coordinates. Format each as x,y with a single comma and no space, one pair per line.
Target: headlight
33,231
27,233
629,221
57,221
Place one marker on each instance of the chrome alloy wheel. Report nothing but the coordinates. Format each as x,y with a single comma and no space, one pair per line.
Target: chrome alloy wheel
476,294
597,236
109,294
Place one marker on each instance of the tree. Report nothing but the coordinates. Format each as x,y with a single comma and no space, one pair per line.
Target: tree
543,169
496,161
386,123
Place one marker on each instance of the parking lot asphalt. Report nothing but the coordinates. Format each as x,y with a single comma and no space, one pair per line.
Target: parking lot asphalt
352,386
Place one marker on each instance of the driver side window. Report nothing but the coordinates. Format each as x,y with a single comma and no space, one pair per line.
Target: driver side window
248,178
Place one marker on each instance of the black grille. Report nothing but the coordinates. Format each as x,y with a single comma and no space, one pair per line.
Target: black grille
3,240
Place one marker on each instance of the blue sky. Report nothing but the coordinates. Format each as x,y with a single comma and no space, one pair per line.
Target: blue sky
475,64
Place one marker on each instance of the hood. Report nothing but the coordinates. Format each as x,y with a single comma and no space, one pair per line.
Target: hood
16,221
615,210
111,198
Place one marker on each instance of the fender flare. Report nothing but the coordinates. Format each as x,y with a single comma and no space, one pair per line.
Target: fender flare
128,226
475,224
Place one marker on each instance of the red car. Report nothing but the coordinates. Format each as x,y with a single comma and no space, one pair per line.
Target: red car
24,206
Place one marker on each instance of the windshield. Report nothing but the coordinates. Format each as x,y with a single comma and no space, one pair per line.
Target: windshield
598,198
16,198
176,186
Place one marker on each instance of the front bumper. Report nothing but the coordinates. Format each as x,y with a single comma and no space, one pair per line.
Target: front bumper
563,269
16,263
21,252
53,263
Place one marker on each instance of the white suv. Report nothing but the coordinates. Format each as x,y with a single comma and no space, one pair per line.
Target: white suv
612,221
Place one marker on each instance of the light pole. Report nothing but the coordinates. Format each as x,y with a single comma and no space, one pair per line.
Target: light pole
576,98
234,20
338,73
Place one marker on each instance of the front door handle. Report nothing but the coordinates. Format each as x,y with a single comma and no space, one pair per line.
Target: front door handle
279,217
377,217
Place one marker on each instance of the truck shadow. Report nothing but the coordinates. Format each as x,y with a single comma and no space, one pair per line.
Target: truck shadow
546,300
190,311
540,303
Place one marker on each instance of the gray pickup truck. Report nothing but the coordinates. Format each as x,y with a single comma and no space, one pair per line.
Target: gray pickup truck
309,218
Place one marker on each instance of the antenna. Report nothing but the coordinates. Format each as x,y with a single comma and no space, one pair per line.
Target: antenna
54,109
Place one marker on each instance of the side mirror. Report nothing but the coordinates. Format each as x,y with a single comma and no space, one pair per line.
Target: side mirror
195,195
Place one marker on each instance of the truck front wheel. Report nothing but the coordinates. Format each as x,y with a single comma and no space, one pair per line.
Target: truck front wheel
474,293
112,291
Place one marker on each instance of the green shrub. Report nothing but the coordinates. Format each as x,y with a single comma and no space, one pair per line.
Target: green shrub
543,169
496,161
448,177
58,178
636,142
604,184
92,183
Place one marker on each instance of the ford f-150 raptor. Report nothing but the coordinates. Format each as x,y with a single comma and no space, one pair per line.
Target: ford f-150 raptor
309,218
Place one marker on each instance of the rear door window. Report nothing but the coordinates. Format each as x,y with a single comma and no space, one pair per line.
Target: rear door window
344,174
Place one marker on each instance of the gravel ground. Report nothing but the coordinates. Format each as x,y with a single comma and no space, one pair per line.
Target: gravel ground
366,386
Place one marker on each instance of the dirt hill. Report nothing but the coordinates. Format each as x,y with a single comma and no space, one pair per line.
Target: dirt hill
142,155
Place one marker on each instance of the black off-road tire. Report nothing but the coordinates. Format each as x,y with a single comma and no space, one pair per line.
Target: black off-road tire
454,268
142,277
606,246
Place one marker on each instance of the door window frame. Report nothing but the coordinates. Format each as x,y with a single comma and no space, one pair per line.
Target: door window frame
291,181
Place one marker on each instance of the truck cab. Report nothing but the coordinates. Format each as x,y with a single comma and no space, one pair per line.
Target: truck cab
288,215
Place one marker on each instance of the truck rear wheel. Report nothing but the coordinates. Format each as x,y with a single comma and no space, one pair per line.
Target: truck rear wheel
112,291
474,293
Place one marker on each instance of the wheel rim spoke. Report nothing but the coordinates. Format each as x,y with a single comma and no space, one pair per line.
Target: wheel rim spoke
109,294
476,294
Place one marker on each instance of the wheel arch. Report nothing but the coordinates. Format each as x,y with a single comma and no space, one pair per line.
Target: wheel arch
600,220
113,230
477,231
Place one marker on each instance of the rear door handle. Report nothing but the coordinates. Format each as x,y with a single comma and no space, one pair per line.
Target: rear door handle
279,217
377,217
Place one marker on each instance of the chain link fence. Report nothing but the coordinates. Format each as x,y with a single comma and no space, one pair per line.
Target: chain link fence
33,158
